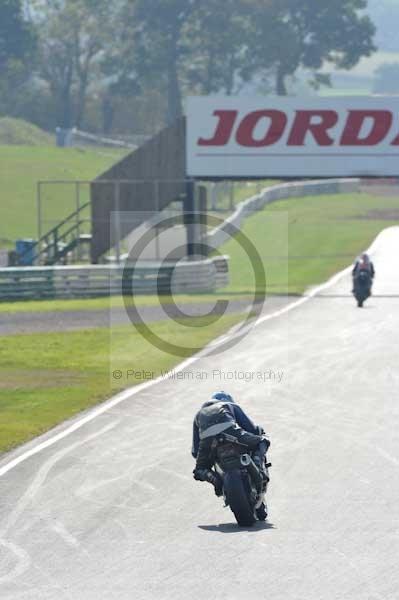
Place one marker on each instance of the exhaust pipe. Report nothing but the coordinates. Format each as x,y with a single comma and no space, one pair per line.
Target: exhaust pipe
248,463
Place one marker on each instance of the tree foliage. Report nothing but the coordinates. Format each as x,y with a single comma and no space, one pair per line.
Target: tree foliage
309,33
211,46
74,34
17,49
98,59
16,35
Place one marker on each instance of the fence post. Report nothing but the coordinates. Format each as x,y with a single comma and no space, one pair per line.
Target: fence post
189,219
117,221
214,195
39,216
77,191
157,229
232,195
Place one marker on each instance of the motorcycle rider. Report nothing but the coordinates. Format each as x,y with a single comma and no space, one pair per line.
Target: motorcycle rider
222,414
363,264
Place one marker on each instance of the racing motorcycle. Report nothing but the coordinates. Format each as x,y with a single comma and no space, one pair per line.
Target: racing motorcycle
244,483
362,283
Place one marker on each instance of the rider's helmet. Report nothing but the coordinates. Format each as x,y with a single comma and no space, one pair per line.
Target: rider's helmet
222,397
364,262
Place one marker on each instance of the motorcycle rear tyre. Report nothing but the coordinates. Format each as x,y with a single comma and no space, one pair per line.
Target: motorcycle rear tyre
237,498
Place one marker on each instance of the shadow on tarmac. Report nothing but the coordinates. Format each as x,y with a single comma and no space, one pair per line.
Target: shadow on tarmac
234,528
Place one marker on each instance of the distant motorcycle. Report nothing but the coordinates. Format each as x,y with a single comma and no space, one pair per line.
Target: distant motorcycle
244,484
362,284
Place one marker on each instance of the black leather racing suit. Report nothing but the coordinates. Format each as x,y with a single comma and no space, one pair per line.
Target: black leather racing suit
359,267
214,418
363,266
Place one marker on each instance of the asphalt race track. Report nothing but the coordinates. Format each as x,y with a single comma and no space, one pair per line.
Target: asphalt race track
111,511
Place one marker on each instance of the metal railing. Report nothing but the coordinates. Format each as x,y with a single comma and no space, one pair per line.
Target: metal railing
35,283
56,243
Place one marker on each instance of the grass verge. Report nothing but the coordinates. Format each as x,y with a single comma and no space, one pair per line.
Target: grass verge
304,241
98,303
47,378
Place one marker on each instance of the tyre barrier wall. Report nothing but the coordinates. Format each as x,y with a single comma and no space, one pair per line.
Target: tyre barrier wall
34,283
218,236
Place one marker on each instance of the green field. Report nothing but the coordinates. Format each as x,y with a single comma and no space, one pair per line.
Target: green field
20,170
47,378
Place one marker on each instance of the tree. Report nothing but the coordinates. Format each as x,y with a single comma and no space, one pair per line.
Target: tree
309,33
209,46
221,44
119,78
73,36
17,38
101,58
17,49
195,46
161,45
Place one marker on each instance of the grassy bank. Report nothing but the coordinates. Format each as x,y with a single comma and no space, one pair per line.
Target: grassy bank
17,132
47,378
20,170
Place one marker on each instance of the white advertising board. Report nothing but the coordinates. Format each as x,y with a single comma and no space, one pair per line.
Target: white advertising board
292,137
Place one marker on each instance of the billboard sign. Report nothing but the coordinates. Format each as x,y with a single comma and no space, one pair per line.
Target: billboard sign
292,137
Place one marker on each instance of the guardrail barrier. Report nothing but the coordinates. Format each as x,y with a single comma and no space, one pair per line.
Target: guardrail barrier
33,283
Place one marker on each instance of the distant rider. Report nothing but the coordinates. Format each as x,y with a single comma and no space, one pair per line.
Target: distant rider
221,414
363,264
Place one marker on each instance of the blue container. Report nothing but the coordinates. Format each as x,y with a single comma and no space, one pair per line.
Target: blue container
25,250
